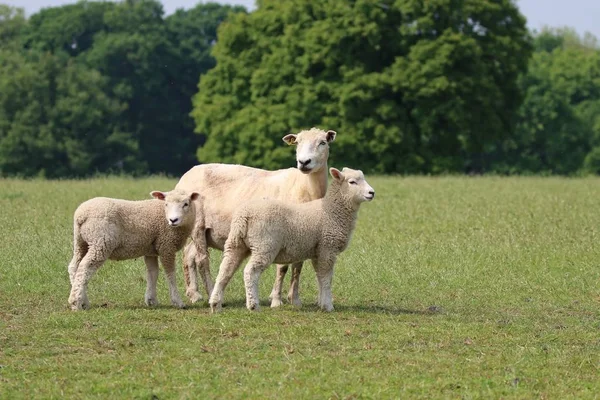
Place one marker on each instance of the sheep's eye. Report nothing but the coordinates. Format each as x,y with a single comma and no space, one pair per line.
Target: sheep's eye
352,182
185,204
323,143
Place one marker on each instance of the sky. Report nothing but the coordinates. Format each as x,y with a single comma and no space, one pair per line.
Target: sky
583,15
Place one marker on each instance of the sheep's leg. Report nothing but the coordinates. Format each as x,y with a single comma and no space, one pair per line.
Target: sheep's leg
203,262
74,264
151,278
294,293
324,272
232,258
90,263
189,273
168,262
275,295
255,267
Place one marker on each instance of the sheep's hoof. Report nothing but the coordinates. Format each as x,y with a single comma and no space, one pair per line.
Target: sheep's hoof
178,304
327,307
295,301
215,308
78,305
274,295
252,306
151,301
276,303
194,296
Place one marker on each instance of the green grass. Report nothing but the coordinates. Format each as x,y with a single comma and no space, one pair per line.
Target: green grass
451,288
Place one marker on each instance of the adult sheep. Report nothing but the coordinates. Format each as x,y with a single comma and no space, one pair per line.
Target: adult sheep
273,231
226,187
105,228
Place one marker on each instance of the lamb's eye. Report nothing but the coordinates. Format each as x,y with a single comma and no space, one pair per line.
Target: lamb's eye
352,182
323,143
185,204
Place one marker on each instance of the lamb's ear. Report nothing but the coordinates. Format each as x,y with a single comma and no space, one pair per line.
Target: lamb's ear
290,139
331,136
158,195
336,174
194,196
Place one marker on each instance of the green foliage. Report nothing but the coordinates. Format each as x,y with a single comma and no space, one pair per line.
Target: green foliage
118,93
452,288
592,161
56,120
411,86
559,121
12,21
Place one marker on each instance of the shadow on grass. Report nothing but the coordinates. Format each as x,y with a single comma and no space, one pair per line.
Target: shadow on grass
240,304
373,309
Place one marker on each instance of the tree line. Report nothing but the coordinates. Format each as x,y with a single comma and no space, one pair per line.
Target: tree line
451,86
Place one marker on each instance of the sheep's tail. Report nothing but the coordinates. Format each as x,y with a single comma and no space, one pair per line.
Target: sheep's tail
238,230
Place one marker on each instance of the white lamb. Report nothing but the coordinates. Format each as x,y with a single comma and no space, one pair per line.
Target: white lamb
116,229
226,187
273,231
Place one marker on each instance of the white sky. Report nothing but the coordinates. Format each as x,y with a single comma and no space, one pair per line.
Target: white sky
583,15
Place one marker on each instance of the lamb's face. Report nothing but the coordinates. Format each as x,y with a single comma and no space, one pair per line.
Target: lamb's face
353,185
178,205
313,148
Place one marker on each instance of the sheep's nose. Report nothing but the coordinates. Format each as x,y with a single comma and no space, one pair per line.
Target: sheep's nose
372,193
305,163
173,220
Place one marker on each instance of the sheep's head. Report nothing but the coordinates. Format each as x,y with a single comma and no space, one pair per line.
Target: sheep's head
353,185
312,149
179,205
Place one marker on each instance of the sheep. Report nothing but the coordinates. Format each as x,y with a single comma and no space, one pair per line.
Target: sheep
273,231
225,187
106,228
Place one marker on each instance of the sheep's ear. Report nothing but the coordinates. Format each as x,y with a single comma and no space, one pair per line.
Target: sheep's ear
336,174
158,195
331,136
290,139
194,196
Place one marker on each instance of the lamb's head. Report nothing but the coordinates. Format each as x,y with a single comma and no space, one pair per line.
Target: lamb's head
352,185
312,149
179,206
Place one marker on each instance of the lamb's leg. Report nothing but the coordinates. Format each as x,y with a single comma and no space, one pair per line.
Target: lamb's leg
90,263
189,273
324,272
294,293
168,262
151,278
255,267
275,295
203,262
232,258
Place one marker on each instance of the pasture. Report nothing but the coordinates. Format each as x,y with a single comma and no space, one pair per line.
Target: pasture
452,287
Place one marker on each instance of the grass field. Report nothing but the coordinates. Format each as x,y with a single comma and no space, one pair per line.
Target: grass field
451,288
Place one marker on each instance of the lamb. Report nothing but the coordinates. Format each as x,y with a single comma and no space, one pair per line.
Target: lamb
226,187
273,231
106,228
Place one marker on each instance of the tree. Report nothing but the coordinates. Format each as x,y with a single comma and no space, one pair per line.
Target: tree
56,120
123,62
559,120
411,86
153,65
12,24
